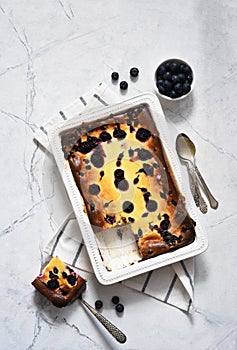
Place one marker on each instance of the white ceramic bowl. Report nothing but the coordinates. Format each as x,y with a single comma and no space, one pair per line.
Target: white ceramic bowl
179,61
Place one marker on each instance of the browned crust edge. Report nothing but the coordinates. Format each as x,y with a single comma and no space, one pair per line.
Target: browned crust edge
57,299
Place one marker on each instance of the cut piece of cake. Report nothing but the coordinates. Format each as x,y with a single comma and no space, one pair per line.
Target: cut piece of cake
59,283
120,166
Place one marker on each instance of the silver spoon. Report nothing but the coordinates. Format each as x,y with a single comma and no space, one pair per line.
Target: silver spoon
111,328
181,147
186,151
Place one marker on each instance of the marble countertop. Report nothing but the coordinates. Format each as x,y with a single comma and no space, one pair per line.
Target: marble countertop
51,53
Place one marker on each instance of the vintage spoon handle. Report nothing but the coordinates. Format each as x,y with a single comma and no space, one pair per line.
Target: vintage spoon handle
213,202
199,200
113,330
193,190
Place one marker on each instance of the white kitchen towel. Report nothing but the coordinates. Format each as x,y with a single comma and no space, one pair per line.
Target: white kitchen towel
172,284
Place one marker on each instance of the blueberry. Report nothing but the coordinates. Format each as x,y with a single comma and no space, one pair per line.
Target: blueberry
161,70
105,136
134,72
55,270
175,78
146,196
85,147
160,82
143,134
161,89
165,224
149,170
182,68
181,77
119,174
187,69
52,275
174,67
167,65
122,185
94,189
115,76
93,141
71,280
119,134
98,304
151,205
128,207
123,85
97,159
186,88
144,154
190,78
167,85
64,274
167,76
53,284
115,300
119,307
173,94
178,88
139,232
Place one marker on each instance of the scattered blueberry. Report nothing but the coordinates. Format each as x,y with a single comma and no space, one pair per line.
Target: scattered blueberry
52,275
151,205
105,136
134,72
115,76
148,169
97,159
93,141
72,280
110,219
115,300
165,224
55,270
84,147
119,134
53,284
144,154
119,307
64,274
122,185
123,85
143,134
94,189
98,304
128,207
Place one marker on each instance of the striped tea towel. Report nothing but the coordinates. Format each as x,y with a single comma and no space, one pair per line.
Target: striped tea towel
172,284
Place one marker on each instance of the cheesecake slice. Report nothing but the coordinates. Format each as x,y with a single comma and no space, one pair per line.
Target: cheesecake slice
59,283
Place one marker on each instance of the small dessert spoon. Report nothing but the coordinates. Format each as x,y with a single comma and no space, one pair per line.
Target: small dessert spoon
186,151
111,328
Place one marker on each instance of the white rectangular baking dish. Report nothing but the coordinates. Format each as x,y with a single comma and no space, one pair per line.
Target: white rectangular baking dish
123,260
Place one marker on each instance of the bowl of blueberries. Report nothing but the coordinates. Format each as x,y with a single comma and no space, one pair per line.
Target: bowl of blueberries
174,79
